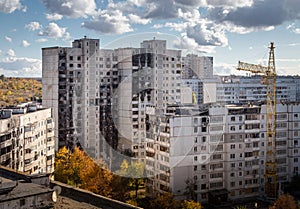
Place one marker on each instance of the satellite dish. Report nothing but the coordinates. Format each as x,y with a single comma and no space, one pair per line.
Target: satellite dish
54,196
57,189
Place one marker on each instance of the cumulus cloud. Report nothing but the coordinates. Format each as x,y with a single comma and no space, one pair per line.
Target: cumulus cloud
25,43
53,17
33,26
9,6
9,39
260,14
138,20
293,28
207,33
54,31
109,22
22,66
191,46
229,4
11,53
71,8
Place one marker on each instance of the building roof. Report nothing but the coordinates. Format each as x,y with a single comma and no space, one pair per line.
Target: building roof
18,189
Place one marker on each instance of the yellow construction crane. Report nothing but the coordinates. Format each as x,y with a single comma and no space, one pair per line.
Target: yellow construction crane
269,79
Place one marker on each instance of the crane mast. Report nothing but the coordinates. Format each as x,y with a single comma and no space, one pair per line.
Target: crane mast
269,79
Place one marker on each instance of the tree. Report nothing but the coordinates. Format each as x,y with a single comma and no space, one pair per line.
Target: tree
77,168
120,189
240,207
283,202
190,190
135,173
190,204
95,178
166,201
62,161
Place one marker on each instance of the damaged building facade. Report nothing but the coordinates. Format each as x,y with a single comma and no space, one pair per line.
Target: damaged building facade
27,139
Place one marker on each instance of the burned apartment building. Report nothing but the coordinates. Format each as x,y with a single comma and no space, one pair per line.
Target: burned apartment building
99,95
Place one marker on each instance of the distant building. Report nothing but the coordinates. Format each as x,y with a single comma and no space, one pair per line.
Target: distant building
196,86
27,139
218,153
199,67
242,89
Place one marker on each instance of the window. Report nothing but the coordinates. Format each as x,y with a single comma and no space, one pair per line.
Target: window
195,149
195,129
22,202
78,58
79,65
195,158
232,184
195,167
204,139
232,118
232,156
232,146
71,57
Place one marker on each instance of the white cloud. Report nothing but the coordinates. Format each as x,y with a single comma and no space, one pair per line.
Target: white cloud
33,26
54,16
227,69
11,53
293,28
138,20
9,39
189,45
54,31
41,40
232,4
9,6
25,43
71,8
109,22
21,66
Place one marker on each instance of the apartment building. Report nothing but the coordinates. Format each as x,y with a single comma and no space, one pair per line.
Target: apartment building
27,139
239,89
218,153
99,96
200,67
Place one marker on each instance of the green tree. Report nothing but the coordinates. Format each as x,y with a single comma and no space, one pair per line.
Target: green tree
190,204
135,172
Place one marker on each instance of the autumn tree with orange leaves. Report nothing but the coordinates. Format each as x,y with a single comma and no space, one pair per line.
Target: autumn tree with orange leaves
77,168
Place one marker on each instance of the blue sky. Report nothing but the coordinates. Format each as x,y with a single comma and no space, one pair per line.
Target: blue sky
230,30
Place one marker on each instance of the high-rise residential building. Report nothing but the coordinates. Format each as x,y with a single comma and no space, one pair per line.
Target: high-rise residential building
200,67
99,96
218,153
241,89
27,139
